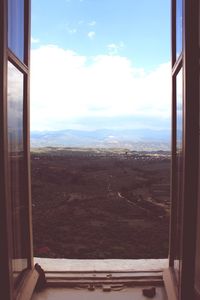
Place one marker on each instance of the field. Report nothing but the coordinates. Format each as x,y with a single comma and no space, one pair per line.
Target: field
100,203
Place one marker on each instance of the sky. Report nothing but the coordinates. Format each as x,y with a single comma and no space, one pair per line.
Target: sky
97,62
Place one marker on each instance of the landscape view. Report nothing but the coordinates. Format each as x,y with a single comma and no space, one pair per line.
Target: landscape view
99,202
100,101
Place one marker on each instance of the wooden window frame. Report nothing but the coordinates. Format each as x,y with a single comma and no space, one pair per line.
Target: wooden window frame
30,276
189,62
191,152
5,219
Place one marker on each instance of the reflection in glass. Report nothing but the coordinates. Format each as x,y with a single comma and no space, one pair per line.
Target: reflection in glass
179,15
179,168
16,27
16,168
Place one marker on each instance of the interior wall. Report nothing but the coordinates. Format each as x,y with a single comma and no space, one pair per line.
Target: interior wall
197,277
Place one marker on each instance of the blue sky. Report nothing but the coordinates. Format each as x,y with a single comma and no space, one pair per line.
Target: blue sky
93,38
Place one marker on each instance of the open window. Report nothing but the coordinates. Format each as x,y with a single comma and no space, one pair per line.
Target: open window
185,140
16,258
16,237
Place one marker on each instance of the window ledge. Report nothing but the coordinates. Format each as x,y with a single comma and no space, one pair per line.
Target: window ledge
84,272
101,265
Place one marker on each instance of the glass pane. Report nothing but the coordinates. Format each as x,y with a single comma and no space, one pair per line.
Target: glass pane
179,168
16,27
179,14
17,169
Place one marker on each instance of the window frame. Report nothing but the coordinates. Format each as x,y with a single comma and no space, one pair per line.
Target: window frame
189,62
176,65
191,136
5,245
30,276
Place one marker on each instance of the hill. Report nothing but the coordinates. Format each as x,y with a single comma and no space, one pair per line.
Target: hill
133,139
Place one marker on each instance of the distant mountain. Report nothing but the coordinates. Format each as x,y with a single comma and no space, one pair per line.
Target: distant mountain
135,139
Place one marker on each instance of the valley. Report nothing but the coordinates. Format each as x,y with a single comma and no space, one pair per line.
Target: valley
99,203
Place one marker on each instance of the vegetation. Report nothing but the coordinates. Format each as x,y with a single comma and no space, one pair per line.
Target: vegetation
98,203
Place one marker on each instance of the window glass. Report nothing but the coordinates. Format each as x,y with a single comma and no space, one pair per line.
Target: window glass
179,14
16,27
17,169
179,168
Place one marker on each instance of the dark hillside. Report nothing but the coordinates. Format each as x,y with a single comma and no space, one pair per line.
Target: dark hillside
97,203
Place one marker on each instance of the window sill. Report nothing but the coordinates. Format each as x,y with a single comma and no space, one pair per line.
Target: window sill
101,265
77,272
97,294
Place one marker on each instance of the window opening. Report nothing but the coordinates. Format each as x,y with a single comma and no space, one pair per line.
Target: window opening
100,129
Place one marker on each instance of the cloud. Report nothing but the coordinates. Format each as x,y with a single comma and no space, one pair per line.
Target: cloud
91,34
71,30
115,48
92,23
34,41
67,87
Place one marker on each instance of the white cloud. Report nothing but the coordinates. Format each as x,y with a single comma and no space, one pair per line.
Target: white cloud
34,41
92,23
66,87
91,34
71,30
115,48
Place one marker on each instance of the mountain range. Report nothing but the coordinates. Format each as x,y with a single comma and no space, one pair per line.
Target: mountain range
134,139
